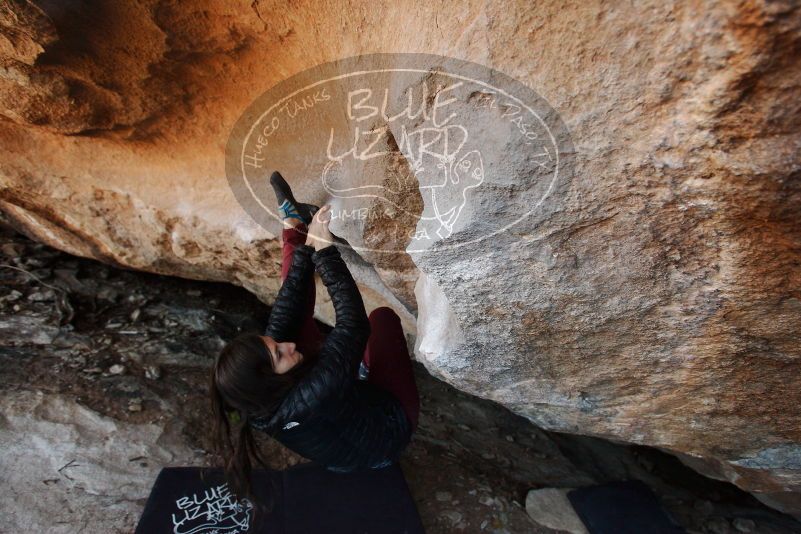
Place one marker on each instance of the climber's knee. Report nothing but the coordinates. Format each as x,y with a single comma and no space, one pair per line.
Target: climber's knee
383,314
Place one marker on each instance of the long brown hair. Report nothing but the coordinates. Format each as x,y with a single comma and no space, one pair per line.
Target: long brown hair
244,386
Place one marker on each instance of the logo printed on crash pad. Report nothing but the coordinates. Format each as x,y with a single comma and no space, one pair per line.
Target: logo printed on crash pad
215,511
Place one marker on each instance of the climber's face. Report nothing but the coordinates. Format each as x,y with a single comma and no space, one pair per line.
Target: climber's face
284,356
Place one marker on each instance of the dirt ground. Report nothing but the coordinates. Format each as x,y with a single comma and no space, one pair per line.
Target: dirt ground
137,347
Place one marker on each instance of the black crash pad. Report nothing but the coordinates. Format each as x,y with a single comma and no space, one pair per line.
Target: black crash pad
628,507
308,499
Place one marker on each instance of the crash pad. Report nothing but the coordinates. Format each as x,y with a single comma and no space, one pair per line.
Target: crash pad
306,498
626,507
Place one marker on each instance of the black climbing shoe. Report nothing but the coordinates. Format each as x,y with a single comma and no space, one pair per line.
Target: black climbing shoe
287,205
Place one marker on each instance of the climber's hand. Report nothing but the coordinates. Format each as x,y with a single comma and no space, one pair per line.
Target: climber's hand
319,235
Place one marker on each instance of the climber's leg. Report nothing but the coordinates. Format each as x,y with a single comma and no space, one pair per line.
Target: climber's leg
309,336
389,363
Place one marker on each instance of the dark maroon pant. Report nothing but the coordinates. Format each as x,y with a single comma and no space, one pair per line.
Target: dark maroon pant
386,355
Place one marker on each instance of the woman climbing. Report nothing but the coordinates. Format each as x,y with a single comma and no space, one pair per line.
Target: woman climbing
347,401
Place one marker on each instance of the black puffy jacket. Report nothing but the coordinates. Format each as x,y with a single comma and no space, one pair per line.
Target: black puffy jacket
331,417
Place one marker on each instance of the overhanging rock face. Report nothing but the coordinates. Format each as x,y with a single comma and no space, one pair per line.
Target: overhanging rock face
652,297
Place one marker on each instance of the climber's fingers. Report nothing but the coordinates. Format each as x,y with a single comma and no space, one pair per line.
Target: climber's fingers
319,234
323,215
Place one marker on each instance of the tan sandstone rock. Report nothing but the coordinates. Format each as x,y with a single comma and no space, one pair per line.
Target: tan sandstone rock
652,298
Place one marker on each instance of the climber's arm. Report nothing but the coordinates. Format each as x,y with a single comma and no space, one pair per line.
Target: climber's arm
344,346
286,315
